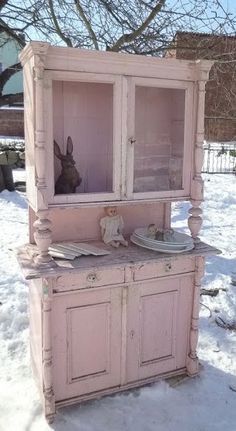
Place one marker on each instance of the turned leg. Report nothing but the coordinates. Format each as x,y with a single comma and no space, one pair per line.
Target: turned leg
195,220
43,239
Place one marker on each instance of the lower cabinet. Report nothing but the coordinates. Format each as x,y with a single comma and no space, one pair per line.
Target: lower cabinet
158,326
98,336
86,341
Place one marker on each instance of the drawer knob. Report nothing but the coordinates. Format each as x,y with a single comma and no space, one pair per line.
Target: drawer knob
168,267
92,277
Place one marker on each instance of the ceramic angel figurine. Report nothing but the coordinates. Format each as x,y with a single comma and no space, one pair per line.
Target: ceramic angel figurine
111,228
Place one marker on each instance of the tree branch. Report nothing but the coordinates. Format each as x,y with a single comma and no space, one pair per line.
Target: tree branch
10,32
56,24
3,3
87,23
130,37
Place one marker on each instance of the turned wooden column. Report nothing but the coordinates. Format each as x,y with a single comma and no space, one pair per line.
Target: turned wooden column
195,219
49,398
192,360
42,225
42,237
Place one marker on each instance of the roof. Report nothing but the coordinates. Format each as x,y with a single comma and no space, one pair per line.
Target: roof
192,33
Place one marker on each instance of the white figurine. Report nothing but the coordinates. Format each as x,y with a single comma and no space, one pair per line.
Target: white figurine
111,228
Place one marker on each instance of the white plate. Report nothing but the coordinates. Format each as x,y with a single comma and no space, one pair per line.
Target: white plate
135,241
161,244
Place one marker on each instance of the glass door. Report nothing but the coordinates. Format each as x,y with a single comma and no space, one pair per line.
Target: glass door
159,140
83,128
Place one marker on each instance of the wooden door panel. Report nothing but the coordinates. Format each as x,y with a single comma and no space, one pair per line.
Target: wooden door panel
88,334
158,324
86,342
157,331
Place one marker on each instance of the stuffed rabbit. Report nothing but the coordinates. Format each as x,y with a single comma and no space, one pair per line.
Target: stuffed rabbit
69,178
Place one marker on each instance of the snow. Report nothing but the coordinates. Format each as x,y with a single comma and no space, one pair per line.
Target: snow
205,403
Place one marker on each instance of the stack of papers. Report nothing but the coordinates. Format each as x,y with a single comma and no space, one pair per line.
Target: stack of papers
72,250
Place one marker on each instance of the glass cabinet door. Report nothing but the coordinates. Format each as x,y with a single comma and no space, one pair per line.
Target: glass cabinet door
85,132
158,138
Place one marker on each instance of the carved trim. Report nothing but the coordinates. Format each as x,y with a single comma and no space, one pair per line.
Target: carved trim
192,363
31,49
40,152
49,398
195,219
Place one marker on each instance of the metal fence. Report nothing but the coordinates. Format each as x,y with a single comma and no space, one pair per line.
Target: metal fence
219,158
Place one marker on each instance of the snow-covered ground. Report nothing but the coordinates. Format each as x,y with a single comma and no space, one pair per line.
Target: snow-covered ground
205,403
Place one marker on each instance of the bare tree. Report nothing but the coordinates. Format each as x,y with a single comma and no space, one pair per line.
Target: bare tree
143,27
220,112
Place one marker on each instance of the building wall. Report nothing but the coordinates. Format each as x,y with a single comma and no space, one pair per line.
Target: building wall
9,51
11,122
220,108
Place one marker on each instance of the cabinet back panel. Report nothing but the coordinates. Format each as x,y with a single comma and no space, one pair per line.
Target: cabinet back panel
83,224
84,111
159,133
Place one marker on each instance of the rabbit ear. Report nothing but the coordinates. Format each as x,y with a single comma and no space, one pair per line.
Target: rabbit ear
69,147
57,150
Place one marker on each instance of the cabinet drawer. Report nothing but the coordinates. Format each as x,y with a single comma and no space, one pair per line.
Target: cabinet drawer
90,278
163,268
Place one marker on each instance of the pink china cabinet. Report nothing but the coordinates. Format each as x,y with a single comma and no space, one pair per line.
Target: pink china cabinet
133,128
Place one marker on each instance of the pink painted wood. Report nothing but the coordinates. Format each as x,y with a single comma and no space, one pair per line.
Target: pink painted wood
158,326
137,125
86,342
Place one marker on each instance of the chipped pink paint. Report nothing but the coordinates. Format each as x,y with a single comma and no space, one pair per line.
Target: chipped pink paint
107,324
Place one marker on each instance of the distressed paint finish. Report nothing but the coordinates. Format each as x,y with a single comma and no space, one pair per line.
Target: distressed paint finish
192,361
158,319
195,219
42,237
86,341
99,325
47,363
132,324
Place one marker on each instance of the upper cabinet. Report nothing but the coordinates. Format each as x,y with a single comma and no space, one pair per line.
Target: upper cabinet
104,127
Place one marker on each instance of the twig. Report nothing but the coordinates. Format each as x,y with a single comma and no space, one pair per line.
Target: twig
226,325
209,292
204,305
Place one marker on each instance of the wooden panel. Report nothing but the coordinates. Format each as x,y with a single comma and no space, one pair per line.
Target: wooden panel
90,278
64,58
157,315
82,224
158,325
88,333
86,342
164,268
